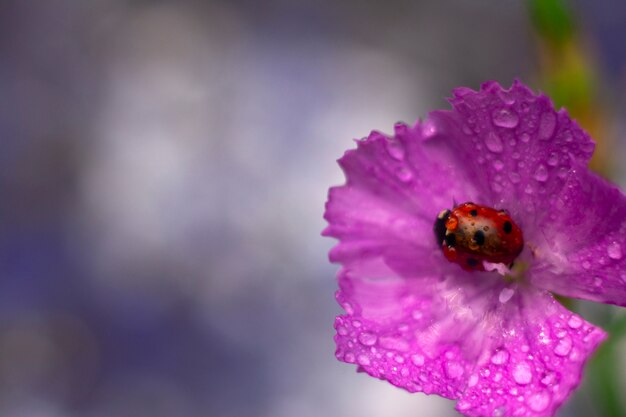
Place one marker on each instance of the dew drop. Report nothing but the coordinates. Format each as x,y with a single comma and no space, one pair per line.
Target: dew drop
547,124
463,405
539,402
494,143
394,343
496,187
524,137
467,130
429,129
563,347
363,360
395,150
575,322
541,174
473,380
367,339
549,378
404,174
522,373
615,251
553,160
498,165
515,177
529,189
453,369
500,357
417,359
499,412
349,357
348,307
505,118
586,264
505,295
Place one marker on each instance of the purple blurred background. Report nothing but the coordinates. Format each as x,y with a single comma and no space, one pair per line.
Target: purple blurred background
163,171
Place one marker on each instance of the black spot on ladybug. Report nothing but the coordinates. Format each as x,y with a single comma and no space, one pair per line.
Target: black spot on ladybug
507,226
472,262
450,240
440,226
473,213
479,237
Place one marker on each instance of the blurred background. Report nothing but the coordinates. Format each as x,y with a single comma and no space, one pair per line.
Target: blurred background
163,170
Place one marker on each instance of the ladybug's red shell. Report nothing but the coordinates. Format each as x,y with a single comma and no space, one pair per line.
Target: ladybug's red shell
470,234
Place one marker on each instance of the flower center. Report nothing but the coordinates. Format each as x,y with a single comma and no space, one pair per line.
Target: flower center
470,235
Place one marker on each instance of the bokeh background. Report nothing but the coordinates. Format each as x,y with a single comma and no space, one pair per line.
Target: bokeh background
163,169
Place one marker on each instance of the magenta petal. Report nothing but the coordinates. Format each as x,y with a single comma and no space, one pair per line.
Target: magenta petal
584,252
514,146
534,362
394,190
412,332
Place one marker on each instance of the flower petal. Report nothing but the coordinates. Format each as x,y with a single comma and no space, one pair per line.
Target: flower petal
394,189
412,332
583,254
535,360
519,149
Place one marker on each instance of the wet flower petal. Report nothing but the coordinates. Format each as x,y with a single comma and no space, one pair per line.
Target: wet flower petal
534,362
519,149
584,257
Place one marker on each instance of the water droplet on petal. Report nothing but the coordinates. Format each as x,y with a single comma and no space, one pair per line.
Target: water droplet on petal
453,369
363,360
417,359
547,124
505,118
463,405
498,165
574,322
529,189
349,357
494,143
563,347
404,174
615,251
367,339
553,160
342,331
500,357
429,129
395,150
394,343
539,402
515,177
505,295
586,264
522,373
549,378
473,380
541,174
524,137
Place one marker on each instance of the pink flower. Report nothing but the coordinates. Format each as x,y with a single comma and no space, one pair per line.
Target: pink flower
497,342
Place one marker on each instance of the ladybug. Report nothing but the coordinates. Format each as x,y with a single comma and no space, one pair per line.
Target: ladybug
470,234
